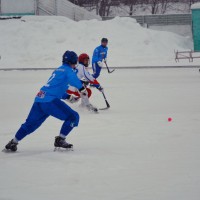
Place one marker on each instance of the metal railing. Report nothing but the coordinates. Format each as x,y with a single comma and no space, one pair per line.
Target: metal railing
45,7
64,8
150,20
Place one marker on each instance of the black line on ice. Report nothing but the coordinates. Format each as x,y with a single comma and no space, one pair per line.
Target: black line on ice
121,67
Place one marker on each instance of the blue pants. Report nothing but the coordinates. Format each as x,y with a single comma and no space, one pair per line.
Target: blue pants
96,70
40,111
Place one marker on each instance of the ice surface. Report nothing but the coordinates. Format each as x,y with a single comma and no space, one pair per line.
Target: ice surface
128,152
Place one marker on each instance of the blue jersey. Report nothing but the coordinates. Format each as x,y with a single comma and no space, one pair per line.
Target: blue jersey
99,54
58,84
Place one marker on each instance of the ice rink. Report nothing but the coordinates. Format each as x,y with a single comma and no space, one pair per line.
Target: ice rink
128,152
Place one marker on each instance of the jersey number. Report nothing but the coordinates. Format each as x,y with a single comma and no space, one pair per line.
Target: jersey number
50,79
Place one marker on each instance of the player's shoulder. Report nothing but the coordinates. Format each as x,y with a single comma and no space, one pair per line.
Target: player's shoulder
80,66
64,70
103,48
98,47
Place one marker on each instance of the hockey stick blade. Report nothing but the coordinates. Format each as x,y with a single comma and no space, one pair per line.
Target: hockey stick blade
111,71
104,108
109,68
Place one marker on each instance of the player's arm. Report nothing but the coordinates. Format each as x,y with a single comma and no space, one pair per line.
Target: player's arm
96,84
100,59
86,74
70,98
105,59
75,82
96,57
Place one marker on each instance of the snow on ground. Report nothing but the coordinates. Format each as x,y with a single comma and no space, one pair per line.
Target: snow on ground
128,152
184,30
37,41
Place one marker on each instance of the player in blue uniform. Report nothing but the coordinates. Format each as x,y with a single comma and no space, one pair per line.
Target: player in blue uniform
99,57
48,103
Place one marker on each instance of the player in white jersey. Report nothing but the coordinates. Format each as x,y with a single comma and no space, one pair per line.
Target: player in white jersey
85,76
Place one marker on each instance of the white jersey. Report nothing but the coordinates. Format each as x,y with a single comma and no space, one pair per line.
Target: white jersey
83,73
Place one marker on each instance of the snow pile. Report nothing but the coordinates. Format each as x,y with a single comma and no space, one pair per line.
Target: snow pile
37,41
195,6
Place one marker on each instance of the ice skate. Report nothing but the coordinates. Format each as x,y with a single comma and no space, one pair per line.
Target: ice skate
61,144
91,108
11,146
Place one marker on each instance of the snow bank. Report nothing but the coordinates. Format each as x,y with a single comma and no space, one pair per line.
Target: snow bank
37,41
195,6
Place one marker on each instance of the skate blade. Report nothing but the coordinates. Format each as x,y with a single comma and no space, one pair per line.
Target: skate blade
106,108
93,111
8,151
60,149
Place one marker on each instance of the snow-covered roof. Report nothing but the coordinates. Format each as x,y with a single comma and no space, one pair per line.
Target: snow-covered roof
195,6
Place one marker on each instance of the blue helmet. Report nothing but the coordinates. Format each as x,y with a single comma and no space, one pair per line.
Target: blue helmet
70,57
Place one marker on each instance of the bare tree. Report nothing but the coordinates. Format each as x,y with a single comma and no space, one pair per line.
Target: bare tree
131,4
157,6
104,7
164,5
154,5
190,2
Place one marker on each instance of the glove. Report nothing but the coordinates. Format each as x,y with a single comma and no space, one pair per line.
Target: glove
73,99
100,88
100,63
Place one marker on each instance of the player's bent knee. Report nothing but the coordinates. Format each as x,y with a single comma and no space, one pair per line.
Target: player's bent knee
75,119
89,91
